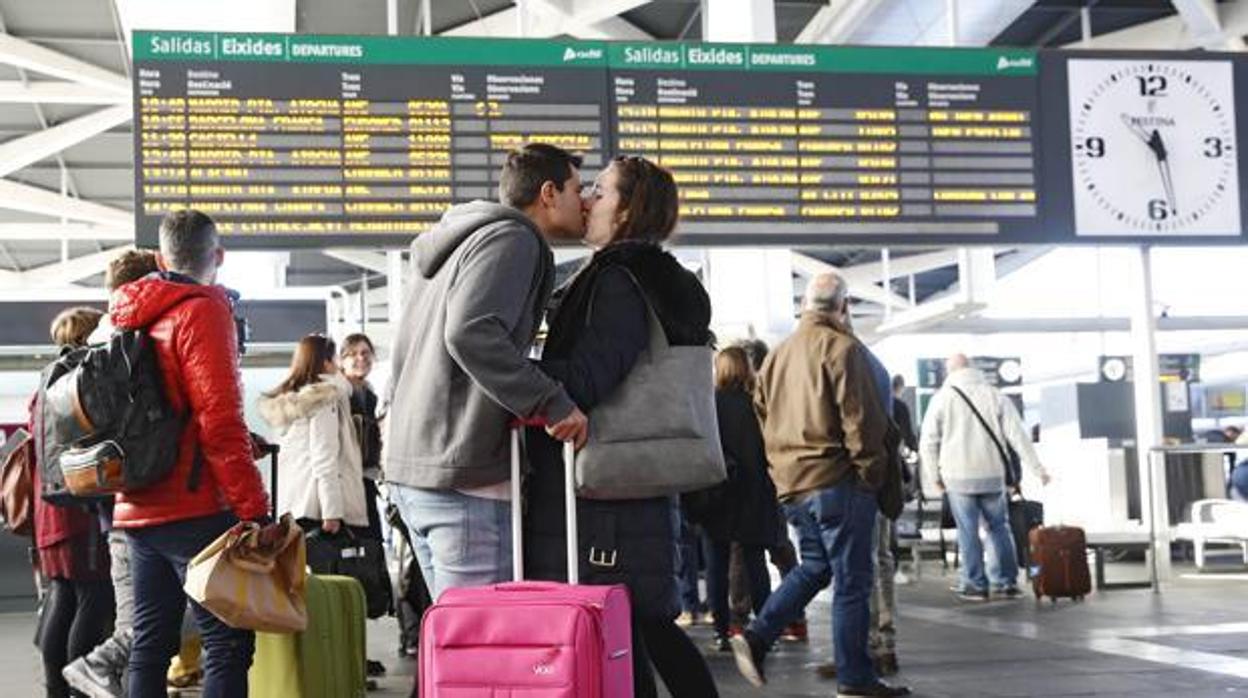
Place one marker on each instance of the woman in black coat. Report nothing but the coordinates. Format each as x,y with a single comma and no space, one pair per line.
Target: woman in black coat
598,326
743,510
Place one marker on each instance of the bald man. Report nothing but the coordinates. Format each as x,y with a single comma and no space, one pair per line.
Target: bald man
966,430
823,427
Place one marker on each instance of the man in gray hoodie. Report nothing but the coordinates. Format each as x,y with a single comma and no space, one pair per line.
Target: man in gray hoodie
461,373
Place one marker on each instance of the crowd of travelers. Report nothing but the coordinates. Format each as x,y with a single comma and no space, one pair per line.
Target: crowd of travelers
810,433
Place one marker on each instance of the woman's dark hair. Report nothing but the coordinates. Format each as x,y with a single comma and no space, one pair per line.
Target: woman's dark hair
733,370
354,339
307,364
649,200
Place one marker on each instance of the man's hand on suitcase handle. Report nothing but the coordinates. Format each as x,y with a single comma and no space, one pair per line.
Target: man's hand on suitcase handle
574,428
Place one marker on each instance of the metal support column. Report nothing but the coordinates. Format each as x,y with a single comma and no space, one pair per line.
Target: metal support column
1148,418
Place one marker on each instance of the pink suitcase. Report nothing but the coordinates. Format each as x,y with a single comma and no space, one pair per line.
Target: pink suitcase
529,639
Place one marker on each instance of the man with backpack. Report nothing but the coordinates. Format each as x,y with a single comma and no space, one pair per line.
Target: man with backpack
214,481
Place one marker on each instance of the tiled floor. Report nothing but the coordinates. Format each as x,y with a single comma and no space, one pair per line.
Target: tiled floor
1190,641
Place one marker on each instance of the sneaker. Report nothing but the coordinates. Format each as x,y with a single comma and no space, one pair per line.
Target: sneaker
374,668
886,664
971,595
826,670
91,680
1009,593
735,629
721,643
749,652
795,632
686,619
879,688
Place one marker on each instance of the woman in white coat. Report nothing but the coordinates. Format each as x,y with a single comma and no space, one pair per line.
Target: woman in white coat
320,473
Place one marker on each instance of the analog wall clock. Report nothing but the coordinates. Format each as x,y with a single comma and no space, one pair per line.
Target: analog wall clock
1153,147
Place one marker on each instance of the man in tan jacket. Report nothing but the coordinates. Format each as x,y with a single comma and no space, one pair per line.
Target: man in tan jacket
824,427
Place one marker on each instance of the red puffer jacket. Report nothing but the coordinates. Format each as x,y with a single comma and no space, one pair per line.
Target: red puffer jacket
193,330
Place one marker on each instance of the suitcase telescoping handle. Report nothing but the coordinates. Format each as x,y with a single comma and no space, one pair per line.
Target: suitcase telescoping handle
517,508
272,449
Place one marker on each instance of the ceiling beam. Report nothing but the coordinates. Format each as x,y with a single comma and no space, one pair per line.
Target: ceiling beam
375,262
24,197
23,54
1175,33
57,92
20,152
902,266
584,20
1204,23
835,22
44,232
59,274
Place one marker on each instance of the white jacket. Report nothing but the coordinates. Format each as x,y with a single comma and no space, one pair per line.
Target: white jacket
319,472
956,450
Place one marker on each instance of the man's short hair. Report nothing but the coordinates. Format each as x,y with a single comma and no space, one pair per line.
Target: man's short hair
899,382
128,266
826,293
528,168
188,241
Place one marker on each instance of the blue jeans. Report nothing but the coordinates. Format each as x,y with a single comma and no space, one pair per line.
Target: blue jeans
968,509
834,526
158,560
459,540
687,571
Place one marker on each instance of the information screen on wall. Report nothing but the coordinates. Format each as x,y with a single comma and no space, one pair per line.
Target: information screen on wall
289,140
298,140
836,143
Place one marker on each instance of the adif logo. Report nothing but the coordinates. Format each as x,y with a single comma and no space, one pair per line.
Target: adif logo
543,669
585,54
1005,62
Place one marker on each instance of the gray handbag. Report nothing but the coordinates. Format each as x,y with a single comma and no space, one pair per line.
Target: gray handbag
657,434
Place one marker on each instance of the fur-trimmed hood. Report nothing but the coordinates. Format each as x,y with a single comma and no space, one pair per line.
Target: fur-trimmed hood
280,411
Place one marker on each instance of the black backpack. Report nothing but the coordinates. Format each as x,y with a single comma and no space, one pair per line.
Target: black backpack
104,422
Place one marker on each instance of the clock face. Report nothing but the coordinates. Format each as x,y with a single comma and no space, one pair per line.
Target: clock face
1153,147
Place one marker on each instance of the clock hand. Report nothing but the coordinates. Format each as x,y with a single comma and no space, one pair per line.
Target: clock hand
1167,181
1135,128
1158,147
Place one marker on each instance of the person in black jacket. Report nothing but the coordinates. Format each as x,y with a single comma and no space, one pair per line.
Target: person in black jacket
598,326
743,510
901,414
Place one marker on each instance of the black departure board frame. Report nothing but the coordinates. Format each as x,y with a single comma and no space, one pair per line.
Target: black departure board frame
347,141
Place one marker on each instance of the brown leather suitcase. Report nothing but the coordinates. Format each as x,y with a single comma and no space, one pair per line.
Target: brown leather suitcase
1059,562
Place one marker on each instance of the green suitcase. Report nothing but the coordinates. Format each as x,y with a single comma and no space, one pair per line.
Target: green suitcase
325,661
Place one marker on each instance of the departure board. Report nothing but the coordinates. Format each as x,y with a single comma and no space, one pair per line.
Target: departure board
324,141
834,143
290,140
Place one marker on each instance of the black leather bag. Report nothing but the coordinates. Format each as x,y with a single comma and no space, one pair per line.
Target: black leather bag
352,555
1024,516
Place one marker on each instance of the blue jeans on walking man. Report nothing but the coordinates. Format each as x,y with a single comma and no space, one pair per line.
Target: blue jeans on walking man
158,559
968,510
834,526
